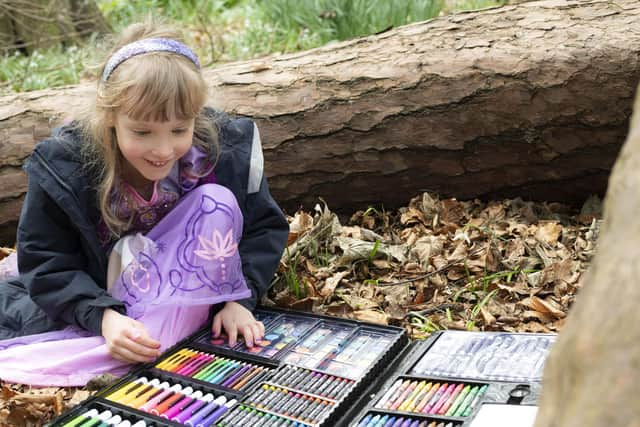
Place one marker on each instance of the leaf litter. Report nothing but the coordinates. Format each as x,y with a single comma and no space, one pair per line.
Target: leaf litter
435,264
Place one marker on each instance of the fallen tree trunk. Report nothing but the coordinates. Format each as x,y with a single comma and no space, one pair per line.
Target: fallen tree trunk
530,100
592,376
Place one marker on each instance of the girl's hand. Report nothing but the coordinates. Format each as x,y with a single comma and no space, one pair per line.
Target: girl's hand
235,318
128,339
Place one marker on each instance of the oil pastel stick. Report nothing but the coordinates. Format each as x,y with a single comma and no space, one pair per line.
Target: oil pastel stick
467,401
447,404
443,398
475,401
456,403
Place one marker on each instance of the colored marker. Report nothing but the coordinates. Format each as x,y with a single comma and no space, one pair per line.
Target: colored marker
81,418
202,413
181,405
127,388
147,407
168,402
216,414
192,409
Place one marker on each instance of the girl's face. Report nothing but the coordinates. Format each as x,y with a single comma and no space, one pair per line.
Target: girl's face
151,148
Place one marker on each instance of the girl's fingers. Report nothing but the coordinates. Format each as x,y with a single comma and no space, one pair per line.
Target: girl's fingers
260,329
124,354
248,334
255,331
232,332
216,328
139,349
141,337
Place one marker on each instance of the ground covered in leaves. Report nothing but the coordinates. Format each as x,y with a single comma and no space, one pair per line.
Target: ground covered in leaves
435,264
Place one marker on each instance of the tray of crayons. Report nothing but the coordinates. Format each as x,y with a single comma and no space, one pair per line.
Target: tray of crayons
306,371
445,380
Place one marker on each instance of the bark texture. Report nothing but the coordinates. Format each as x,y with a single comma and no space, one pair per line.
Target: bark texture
592,376
531,100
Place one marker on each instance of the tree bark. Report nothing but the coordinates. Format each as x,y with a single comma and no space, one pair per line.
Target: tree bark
592,376
530,100
39,24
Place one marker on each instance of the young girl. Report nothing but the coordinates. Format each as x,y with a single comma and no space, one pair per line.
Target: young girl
138,218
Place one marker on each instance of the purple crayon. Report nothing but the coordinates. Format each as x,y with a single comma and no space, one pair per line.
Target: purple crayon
211,419
199,416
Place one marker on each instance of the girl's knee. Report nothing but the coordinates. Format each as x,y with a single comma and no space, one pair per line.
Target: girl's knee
216,196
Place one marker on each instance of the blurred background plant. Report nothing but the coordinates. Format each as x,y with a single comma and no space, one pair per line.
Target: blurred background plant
47,44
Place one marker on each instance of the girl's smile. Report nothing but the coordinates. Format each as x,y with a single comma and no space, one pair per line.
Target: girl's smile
151,148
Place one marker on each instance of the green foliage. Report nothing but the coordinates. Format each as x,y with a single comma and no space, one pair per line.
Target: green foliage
44,68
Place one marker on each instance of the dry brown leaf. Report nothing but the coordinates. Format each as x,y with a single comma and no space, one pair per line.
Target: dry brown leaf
372,316
331,283
544,306
549,233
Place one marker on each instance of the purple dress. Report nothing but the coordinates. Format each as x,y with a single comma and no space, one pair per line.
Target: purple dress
187,261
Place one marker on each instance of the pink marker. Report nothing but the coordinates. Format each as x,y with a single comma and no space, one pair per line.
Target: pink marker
198,361
147,407
179,406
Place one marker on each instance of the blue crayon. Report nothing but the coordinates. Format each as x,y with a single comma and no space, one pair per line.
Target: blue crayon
365,421
373,421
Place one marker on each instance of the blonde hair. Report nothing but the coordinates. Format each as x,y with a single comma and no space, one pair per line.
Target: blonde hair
153,86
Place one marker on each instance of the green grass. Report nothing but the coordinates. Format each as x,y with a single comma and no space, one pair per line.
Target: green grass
227,30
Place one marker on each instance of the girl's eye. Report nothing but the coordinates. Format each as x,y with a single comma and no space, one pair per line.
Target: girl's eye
141,132
179,131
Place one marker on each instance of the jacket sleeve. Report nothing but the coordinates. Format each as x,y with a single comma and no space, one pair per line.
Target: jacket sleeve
52,265
265,228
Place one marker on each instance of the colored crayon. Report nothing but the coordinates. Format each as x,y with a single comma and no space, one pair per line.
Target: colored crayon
445,396
475,401
114,420
410,399
386,397
467,400
456,403
430,394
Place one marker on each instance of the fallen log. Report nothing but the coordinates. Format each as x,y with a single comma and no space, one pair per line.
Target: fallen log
598,347
531,100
